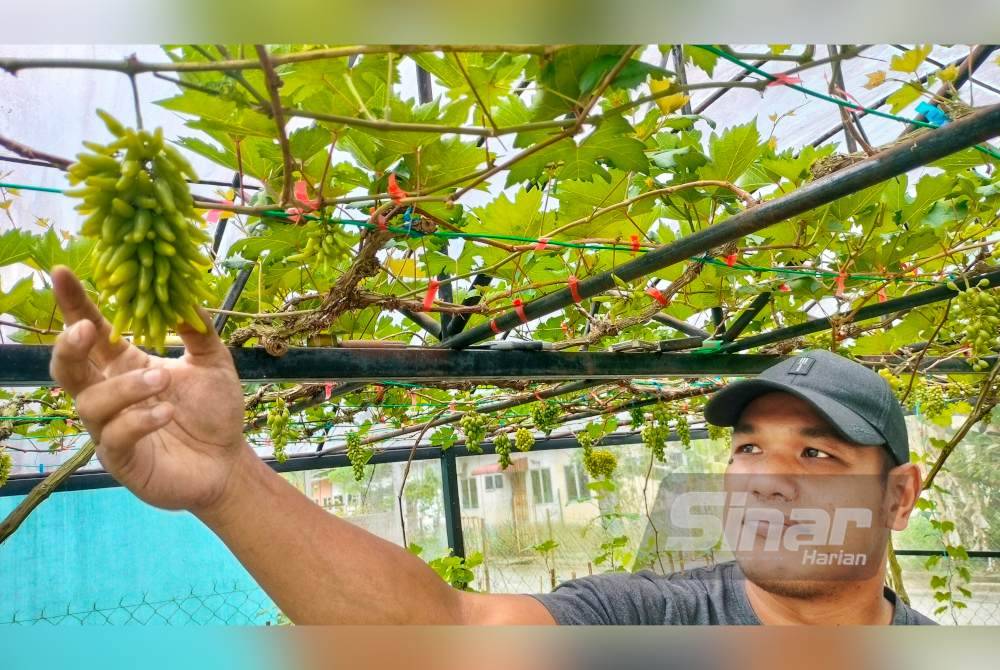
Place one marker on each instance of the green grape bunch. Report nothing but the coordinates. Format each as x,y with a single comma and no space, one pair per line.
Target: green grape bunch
357,455
277,425
523,439
977,319
474,426
545,416
322,249
927,398
654,436
502,445
719,432
637,416
6,465
600,463
139,209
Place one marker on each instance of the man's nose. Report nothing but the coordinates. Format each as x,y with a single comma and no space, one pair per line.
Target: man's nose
771,486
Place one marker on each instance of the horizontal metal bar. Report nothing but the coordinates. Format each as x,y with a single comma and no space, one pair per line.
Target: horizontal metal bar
936,294
931,552
28,365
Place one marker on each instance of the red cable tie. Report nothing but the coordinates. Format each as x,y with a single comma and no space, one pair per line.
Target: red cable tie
882,297
519,308
785,288
214,215
432,290
574,290
635,244
302,194
494,327
542,243
294,214
395,192
731,259
841,278
327,390
657,295
783,79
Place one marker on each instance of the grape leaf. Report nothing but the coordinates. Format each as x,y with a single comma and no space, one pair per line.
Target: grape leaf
732,152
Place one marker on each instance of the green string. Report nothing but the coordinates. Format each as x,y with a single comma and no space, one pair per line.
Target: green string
555,243
829,98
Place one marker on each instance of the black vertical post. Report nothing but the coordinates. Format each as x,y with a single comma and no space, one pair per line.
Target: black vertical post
446,296
452,503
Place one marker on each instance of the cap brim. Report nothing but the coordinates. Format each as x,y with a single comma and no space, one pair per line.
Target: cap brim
725,406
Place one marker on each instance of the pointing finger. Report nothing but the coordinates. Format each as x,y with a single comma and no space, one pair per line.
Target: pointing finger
76,306
70,366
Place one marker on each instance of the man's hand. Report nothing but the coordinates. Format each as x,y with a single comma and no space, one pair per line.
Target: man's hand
171,430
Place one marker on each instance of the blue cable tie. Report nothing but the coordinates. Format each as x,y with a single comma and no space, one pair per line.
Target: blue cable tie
932,113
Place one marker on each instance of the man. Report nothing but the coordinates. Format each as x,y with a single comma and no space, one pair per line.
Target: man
171,431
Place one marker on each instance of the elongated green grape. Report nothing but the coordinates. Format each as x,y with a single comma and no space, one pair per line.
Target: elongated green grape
147,264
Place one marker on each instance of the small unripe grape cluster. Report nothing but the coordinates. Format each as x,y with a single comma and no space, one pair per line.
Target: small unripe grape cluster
545,416
599,463
6,465
637,416
322,250
654,436
977,313
502,445
523,439
719,432
474,426
140,211
357,455
927,398
277,424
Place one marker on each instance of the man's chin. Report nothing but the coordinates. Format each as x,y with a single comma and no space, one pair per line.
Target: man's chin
767,579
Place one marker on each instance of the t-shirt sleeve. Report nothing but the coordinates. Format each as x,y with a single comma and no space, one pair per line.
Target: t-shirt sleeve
619,598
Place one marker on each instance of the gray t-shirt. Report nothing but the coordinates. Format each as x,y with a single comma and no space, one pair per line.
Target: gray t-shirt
702,596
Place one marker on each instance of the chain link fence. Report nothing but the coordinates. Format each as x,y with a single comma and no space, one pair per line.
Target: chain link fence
230,604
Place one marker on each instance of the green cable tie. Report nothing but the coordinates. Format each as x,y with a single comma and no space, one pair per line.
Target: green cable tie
708,346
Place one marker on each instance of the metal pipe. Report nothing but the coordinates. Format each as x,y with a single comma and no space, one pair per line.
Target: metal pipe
936,294
744,319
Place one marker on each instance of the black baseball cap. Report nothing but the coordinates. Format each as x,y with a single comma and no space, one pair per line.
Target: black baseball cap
855,400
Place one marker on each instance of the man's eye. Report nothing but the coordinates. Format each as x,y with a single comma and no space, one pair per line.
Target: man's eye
748,449
812,452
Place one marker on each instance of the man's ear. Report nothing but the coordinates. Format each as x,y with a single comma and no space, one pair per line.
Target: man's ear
902,490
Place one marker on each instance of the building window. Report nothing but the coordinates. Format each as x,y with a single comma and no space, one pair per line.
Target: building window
576,482
493,482
541,485
469,493
352,499
338,500
326,502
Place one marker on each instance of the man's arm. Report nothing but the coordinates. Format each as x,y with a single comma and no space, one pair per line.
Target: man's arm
171,431
322,569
